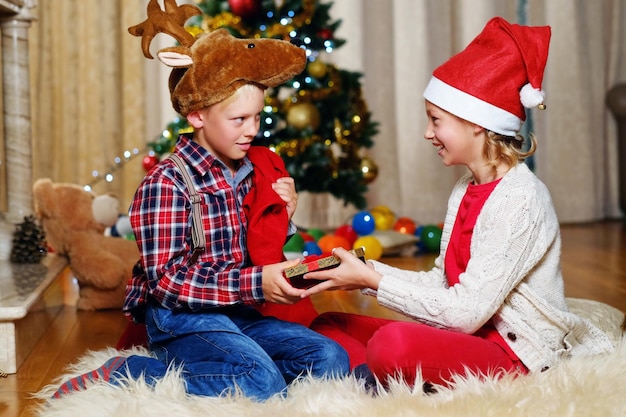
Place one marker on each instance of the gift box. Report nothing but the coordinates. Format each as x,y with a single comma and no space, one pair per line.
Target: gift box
295,274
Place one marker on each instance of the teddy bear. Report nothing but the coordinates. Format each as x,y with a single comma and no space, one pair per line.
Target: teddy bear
74,221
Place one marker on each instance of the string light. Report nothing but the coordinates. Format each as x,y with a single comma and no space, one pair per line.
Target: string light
118,163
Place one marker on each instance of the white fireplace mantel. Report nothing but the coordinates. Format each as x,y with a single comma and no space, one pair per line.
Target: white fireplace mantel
16,17
12,6
22,286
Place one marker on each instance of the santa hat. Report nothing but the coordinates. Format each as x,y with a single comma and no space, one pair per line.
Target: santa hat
498,74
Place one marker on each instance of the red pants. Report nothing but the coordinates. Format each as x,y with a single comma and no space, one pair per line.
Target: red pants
400,349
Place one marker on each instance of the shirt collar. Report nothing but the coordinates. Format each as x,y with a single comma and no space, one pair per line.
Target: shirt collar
201,159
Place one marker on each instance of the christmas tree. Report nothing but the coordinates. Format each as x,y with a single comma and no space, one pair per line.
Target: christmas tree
318,122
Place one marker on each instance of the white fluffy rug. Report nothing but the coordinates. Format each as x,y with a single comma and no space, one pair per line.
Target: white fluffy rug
593,386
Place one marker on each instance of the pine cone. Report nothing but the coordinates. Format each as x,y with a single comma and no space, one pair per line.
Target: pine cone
28,242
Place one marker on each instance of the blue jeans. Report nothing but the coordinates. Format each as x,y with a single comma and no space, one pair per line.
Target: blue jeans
235,346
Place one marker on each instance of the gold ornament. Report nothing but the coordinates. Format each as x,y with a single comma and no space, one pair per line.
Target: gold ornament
317,69
303,115
294,147
369,169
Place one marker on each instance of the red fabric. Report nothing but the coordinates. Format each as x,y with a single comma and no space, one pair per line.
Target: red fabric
268,224
134,335
391,348
268,221
399,347
458,251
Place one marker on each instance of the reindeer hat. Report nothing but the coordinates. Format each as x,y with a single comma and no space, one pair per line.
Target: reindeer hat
211,67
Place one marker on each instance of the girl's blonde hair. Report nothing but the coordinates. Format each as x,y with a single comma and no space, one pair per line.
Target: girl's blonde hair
507,149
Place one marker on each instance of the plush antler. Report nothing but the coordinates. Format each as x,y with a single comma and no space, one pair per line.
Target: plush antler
171,22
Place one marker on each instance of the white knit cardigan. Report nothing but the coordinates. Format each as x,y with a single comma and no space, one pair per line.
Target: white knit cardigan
513,277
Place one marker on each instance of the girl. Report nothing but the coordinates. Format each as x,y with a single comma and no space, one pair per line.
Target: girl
494,301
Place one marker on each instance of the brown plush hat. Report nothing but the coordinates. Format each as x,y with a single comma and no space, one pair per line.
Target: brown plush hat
211,67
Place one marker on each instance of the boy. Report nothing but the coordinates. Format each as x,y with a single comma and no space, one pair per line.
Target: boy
199,308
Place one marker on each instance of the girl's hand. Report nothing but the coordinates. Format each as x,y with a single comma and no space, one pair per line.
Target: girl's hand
351,274
285,187
275,286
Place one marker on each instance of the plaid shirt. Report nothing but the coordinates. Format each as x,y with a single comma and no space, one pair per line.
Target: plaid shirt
160,215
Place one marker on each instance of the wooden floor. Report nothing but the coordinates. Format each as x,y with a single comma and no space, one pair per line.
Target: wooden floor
594,267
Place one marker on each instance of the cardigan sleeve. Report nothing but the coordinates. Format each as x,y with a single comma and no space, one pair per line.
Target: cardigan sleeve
436,276
432,278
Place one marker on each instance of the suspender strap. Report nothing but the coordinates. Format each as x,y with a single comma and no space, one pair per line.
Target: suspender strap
197,234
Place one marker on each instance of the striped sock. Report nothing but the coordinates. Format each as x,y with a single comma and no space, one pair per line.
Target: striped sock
79,383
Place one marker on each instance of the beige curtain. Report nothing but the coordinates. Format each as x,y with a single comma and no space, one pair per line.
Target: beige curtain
88,93
397,44
96,96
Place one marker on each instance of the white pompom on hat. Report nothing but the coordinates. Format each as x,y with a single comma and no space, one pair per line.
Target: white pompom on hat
498,74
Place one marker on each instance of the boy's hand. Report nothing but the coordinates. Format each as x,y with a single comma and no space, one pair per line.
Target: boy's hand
275,286
285,187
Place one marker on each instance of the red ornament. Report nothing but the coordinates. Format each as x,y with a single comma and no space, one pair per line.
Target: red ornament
325,33
247,9
149,161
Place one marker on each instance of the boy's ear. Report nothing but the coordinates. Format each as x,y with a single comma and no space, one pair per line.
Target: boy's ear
195,119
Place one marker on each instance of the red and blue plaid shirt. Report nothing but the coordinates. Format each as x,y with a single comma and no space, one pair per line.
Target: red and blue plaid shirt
160,215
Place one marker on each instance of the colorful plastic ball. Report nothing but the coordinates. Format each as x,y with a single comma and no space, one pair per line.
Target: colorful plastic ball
382,221
316,233
311,248
363,223
347,232
373,247
383,217
430,238
405,225
294,244
418,234
382,208
329,242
